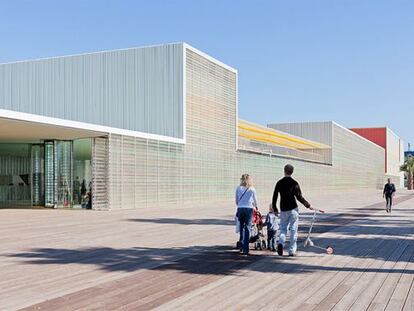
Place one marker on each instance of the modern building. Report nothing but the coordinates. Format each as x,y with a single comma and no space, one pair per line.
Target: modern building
152,127
393,150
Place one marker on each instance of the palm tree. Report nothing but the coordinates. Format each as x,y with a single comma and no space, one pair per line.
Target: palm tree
408,168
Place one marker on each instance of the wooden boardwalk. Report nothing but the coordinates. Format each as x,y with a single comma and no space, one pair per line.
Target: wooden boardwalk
143,260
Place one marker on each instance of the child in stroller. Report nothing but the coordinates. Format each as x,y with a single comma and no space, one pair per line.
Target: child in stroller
257,237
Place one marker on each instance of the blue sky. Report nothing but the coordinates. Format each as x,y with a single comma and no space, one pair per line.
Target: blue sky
350,61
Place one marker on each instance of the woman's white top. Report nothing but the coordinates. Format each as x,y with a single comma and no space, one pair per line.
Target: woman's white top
246,200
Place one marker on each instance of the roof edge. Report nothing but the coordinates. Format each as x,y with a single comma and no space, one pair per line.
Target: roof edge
91,53
209,57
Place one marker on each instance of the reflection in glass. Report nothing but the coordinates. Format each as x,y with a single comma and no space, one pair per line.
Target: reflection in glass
37,175
49,174
82,173
63,173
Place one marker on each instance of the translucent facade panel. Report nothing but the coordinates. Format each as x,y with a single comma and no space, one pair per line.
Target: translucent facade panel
316,131
209,158
208,167
139,89
100,181
357,163
143,173
394,157
264,140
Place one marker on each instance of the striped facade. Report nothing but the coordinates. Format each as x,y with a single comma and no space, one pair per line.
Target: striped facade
136,89
190,101
395,158
148,173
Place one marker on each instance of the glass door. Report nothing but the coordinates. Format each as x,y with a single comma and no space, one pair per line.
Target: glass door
82,173
63,168
58,169
49,174
37,175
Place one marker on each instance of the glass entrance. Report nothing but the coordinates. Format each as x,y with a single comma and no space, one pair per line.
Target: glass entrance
53,173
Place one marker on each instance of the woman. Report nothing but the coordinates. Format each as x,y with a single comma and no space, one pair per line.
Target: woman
246,202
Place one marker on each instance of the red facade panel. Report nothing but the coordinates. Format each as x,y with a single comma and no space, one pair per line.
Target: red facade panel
378,135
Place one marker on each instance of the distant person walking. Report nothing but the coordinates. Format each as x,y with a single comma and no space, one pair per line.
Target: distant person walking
246,202
388,193
289,191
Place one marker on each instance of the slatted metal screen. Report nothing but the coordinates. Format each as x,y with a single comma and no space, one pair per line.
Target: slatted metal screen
100,162
150,173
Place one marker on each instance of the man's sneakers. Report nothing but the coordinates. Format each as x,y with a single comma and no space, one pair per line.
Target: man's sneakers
280,249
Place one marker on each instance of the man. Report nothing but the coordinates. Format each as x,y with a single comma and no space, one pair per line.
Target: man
388,193
289,214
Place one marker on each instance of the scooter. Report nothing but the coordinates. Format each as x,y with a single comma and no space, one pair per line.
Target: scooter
308,241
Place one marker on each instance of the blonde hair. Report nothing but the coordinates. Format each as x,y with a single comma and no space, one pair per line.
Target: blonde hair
244,181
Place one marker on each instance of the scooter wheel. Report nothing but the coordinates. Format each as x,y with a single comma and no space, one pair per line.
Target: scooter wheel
329,250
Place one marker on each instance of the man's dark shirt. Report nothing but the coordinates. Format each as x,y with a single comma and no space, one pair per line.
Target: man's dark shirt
289,191
389,189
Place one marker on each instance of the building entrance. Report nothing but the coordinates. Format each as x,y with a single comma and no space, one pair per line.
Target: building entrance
52,173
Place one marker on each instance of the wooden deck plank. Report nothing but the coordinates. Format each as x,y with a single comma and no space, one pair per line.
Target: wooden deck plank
348,289
333,290
409,300
325,287
119,260
292,288
371,284
245,292
391,281
260,296
401,291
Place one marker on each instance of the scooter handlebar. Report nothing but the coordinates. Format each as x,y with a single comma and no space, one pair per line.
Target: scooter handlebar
317,210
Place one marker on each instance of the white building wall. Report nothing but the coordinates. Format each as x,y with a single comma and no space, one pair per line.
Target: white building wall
395,158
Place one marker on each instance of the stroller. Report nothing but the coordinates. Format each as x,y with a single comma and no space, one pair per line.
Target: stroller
257,237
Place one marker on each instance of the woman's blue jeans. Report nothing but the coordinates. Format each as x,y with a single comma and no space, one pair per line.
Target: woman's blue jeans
245,216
